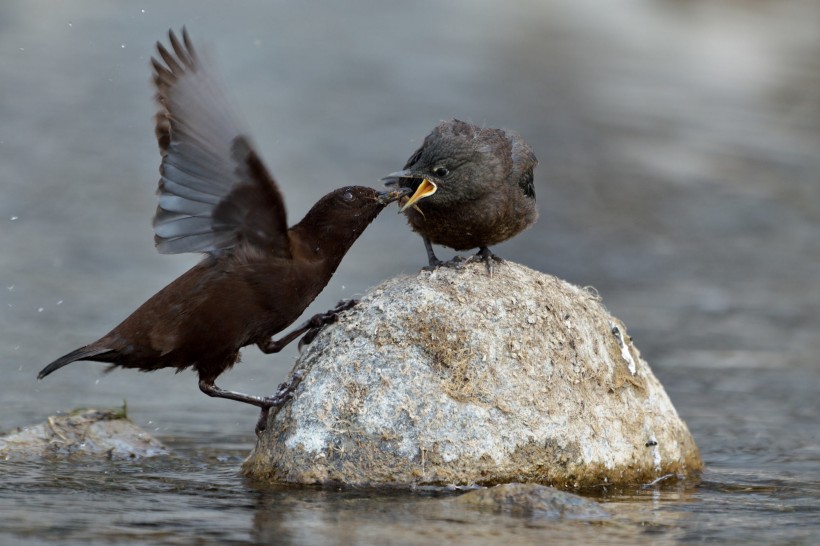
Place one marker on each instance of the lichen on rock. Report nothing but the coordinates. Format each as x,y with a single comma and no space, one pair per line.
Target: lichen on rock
457,377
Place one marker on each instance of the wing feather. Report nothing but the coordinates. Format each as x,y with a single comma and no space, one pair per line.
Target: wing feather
214,192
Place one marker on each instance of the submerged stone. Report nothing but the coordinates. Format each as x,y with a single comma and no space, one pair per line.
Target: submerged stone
83,432
457,377
533,501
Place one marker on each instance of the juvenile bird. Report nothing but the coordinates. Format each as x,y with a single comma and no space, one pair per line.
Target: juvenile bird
473,188
216,197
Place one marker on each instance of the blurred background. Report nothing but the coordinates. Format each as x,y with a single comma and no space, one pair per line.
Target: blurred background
679,148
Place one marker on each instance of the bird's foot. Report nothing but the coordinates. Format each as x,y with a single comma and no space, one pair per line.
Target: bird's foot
283,393
434,263
432,260
319,321
308,330
456,262
485,255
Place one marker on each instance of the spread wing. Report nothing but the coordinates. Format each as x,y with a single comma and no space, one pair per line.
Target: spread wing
214,191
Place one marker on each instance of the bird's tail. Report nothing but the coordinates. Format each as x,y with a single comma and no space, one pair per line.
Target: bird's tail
83,353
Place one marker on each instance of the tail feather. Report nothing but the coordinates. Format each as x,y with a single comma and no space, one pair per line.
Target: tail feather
83,353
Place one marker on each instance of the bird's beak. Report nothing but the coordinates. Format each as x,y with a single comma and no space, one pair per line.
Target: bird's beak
393,179
425,189
387,197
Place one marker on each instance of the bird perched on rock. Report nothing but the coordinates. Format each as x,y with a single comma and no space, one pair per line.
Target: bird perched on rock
473,188
216,197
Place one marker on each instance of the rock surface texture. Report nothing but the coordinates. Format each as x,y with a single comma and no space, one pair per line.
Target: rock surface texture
532,501
456,377
82,433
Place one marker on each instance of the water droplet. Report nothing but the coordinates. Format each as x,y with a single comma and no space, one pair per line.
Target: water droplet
39,309
70,24
142,11
122,46
97,382
13,218
10,287
59,302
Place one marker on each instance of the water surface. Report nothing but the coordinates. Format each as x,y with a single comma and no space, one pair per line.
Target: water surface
679,146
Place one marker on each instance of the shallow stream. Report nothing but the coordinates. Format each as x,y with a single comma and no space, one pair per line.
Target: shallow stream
680,150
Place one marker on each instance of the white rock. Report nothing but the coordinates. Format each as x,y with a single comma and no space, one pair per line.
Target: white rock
456,377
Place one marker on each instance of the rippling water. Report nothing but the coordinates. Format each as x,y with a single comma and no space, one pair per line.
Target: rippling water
679,157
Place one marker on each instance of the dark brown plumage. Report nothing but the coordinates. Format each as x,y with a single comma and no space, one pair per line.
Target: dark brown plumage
216,197
473,188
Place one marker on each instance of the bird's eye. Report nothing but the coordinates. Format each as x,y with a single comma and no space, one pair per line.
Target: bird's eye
441,171
348,196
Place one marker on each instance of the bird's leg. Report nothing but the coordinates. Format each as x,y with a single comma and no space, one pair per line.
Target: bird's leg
434,262
208,387
431,256
309,328
485,255
456,262
283,393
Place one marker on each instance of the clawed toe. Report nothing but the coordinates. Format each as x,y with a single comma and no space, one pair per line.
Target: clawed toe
283,393
435,264
485,255
317,322
262,422
456,263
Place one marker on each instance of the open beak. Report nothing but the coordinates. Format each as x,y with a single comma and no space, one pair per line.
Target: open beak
425,189
394,179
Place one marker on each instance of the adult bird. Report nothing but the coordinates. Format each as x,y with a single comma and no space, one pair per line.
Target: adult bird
472,188
217,197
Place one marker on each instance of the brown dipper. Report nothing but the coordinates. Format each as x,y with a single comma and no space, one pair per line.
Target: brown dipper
216,197
473,188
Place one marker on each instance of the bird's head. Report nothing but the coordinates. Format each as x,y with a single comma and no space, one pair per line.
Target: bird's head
343,214
459,162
